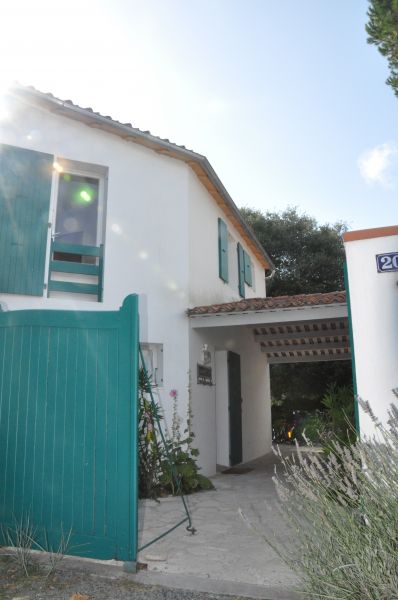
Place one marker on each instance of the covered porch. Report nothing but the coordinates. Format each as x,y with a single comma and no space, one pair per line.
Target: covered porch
234,419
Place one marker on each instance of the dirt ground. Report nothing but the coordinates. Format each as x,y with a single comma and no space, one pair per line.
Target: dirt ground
69,584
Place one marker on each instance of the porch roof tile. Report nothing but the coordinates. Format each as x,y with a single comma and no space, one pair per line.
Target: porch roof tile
271,303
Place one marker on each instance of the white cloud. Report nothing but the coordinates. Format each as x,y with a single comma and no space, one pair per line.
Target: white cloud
376,165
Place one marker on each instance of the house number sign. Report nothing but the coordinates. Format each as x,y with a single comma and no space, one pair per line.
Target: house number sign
387,263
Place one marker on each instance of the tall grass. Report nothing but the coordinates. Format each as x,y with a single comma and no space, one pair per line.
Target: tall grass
343,512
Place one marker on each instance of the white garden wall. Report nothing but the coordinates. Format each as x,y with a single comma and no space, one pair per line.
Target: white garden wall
374,310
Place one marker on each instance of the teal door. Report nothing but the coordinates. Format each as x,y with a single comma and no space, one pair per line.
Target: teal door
68,422
235,408
25,190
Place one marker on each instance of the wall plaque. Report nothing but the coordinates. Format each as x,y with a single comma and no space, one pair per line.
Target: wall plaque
204,375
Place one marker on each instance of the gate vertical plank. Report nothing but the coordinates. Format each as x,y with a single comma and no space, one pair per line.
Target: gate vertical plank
58,443
41,420
68,480
12,476
101,463
32,402
21,457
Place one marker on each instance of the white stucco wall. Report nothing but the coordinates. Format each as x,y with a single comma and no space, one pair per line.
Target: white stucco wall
205,286
146,236
256,405
374,308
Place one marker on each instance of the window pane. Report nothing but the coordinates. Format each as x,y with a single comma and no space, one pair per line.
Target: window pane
77,210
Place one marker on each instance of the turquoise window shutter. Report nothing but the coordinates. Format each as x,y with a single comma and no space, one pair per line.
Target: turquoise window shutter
248,269
25,189
222,250
241,270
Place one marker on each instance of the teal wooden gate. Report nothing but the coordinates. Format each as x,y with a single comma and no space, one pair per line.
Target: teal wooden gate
68,423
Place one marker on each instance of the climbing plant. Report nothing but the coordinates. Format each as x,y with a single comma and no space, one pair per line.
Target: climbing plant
168,464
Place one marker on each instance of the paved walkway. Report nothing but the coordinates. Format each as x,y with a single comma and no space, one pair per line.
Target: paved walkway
229,553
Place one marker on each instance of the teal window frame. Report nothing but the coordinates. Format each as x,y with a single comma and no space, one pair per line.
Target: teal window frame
223,250
241,270
248,269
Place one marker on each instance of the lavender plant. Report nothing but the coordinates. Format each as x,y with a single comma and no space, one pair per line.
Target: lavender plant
343,512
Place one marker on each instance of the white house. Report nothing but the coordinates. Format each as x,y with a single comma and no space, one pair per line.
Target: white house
168,231
92,210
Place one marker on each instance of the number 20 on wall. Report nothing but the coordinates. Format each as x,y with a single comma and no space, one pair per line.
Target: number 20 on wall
387,262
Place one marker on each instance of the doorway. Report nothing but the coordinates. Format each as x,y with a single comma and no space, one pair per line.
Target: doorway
234,408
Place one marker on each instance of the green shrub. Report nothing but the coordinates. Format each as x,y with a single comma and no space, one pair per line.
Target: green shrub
336,421
315,427
167,465
343,511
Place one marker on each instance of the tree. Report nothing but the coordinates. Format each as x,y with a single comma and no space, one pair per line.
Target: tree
382,30
308,257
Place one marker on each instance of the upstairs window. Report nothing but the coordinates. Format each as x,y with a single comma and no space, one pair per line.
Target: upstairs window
241,271
76,220
244,270
222,250
248,269
76,254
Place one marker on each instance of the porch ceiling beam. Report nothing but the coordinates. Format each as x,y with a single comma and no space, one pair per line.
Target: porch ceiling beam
313,325
310,347
271,317
303,359
304,335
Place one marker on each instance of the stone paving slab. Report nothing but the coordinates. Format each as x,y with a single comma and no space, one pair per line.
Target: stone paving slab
229,549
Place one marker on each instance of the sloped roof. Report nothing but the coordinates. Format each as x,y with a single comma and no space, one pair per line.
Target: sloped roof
270,303
198,163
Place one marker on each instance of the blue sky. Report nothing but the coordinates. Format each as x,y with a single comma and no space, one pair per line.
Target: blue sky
286,99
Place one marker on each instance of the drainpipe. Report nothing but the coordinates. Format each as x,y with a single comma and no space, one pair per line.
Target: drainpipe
270,276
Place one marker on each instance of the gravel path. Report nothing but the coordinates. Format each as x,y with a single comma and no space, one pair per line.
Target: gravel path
71,585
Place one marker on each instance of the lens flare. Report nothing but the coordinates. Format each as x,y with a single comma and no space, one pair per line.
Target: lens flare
84,195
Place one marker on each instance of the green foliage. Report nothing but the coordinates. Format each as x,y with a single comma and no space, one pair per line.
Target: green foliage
149,451
382,30
315,427
308,257
167,466
179,465
339,402
343,511
302,386
336,421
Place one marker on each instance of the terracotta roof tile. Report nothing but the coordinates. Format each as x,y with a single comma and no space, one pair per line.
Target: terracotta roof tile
272,302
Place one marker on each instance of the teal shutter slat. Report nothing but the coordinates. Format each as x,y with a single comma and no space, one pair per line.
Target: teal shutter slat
241,270
222,250
25,189
248,269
